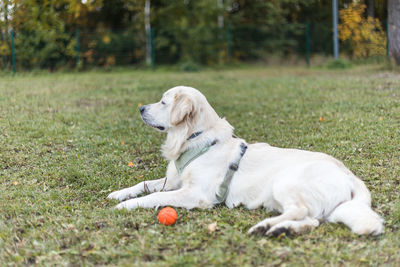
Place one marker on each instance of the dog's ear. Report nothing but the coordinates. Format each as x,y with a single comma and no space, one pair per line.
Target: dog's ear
182,109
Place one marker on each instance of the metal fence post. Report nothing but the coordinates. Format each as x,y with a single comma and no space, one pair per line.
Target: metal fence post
335,29
147,27
13,51
308,44
77,48
153,54
387,40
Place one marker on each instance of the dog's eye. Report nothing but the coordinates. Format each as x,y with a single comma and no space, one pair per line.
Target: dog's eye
162,102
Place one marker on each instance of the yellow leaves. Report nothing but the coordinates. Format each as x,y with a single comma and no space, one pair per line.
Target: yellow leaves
4,49
366,36
130,164
262,242
106,39
110,61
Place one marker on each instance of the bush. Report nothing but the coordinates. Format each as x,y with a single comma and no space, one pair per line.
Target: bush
365,35
189,66
338,64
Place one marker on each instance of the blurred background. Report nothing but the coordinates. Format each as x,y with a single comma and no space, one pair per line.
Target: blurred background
82,34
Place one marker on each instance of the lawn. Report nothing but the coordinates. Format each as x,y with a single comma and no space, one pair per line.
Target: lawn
66,141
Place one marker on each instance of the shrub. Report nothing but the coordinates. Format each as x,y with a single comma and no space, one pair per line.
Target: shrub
189,66
365,35
338,64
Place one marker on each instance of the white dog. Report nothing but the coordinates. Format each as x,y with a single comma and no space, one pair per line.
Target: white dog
209,165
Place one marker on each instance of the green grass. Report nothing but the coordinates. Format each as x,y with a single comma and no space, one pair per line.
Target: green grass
66,141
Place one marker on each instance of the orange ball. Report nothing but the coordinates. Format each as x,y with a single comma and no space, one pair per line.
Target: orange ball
167,216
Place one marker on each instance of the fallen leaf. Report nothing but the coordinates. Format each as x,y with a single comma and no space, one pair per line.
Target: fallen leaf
130,164
261,242
212,227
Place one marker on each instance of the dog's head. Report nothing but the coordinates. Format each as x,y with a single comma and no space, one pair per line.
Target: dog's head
179,107
183,111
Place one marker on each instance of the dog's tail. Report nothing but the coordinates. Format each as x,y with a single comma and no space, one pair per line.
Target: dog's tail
357,213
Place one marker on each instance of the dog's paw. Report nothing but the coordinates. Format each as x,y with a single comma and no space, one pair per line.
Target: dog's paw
258,229
118,195
129,204
120,206
279,231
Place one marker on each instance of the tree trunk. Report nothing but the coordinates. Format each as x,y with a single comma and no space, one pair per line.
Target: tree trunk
394,30
370,8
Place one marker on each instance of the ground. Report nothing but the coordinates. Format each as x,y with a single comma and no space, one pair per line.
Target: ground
69,139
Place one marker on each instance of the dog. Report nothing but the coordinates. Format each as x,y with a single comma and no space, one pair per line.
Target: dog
209,165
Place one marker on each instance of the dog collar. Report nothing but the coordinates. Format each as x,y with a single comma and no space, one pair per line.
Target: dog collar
191,154
194,135
222,192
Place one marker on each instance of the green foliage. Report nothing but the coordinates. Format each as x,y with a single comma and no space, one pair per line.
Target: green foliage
41,37
189,66
183,30
43,48
107,48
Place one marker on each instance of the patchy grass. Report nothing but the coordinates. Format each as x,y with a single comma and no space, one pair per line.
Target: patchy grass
66,141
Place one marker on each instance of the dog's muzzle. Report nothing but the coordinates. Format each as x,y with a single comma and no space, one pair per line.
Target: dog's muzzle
142,110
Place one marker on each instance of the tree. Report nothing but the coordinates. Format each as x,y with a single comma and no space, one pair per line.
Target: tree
365,35
394,30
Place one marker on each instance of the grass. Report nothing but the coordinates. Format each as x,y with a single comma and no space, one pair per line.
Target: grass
66,141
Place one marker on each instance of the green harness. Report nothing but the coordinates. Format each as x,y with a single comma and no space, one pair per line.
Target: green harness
193,153
189,155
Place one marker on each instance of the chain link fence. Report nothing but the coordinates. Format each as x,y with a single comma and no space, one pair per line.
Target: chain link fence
84,49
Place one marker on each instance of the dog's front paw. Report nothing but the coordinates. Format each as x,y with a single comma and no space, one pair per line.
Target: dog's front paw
119,195
258,229
280,231
120,206
129,204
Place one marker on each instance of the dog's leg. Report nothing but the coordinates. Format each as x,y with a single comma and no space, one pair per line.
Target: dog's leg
293,227
293,212
144,187
179,198
358,216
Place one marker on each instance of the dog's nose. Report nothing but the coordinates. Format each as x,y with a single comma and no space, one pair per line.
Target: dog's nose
142,108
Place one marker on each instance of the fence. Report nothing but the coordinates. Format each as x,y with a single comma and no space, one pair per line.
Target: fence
208,46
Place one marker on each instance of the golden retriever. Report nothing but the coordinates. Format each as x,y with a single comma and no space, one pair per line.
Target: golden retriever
209,165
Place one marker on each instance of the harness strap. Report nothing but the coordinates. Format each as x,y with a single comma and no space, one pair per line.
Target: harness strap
193,153
189,155
222,192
